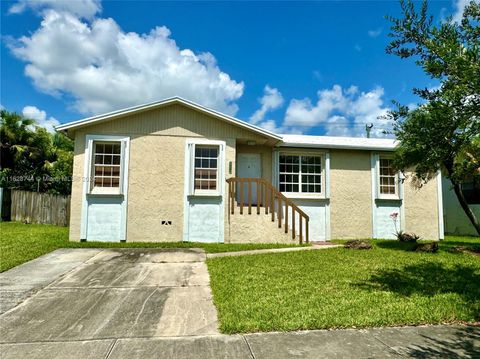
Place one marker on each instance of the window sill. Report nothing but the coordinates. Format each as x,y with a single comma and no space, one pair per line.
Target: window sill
97,192
388,198
304,195
205,194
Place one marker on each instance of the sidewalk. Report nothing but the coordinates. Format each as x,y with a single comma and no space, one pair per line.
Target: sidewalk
407,342
273,250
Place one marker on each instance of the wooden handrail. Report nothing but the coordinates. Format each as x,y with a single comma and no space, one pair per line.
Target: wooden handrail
272,200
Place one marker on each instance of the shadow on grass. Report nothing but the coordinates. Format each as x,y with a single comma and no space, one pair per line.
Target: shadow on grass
410,247
397,245
469,245
464,343
429,279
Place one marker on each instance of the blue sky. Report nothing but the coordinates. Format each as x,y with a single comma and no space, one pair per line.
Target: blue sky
303,67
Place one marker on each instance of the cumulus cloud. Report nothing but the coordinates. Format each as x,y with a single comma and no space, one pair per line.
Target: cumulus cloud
271,100
104,68
375,33
272,126
304,113
459,6
340,112
81,8
40,117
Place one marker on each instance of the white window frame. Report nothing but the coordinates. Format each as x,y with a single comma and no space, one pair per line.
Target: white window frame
87,173
323,174
89,165
393,196
191,144
199,191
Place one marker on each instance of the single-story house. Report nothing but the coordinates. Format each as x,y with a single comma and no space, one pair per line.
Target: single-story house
177,171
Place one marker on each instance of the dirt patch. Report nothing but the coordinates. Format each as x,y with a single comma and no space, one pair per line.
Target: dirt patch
358,244
427,247
462,249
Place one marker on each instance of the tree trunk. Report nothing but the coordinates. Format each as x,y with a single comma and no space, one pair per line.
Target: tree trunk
466,208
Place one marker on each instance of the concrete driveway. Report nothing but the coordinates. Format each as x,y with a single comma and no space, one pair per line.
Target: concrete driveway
80,300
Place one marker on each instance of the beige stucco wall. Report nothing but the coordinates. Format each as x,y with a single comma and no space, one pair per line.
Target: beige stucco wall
350,194
421,209
155,188
156,167
256,228
77,188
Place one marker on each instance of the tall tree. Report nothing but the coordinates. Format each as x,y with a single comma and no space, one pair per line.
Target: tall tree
32,158
444,131
15,133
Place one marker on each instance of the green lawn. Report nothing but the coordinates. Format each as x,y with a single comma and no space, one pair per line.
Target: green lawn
338,288
20,243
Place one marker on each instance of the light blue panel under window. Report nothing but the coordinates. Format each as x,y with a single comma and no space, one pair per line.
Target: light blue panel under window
315,209
204,219
105,221
385,226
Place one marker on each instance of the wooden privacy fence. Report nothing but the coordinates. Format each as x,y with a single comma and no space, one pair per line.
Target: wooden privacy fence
32,207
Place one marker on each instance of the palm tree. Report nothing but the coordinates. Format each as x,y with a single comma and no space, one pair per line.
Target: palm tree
15,133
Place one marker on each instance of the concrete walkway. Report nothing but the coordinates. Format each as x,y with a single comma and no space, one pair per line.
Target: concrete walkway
273,250
23,281
150,303
103,294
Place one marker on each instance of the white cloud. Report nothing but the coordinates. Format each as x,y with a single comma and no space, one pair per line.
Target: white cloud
459,6
271,125
303,113
40,117
81,8
340,112
375,33
271,100
104,68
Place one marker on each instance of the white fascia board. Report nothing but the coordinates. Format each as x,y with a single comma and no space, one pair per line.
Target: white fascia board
338,146
353,143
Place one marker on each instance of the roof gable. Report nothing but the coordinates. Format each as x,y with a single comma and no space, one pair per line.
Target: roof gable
155,105
301,141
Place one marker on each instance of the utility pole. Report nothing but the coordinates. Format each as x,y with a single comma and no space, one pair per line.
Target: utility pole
368,128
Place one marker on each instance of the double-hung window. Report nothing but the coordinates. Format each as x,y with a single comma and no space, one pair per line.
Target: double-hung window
106,167
206,169
300,173
387,178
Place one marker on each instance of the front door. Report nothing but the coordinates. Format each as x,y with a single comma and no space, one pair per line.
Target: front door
249,166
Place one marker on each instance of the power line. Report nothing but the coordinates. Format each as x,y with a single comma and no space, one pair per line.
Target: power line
339,125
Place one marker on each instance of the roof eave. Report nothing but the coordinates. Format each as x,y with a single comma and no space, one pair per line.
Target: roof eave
337,146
